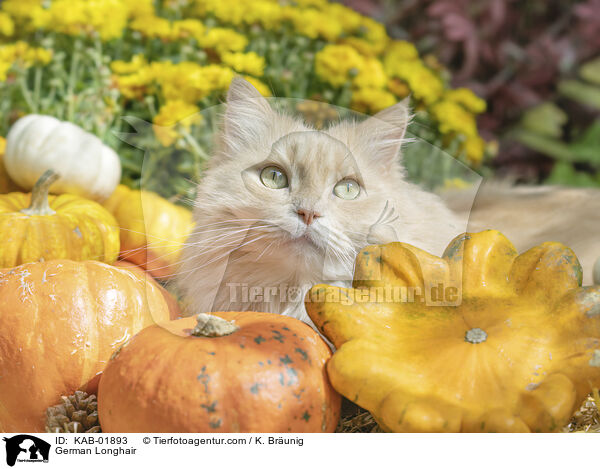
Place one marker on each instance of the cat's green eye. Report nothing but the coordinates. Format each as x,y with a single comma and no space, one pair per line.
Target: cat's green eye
347,189
273,177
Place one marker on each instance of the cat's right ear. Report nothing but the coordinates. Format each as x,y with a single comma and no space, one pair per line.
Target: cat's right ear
248,116
386,131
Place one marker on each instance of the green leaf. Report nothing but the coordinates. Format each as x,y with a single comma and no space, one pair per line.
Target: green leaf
548,146
587,147
590,71
565,175
545,119
588,95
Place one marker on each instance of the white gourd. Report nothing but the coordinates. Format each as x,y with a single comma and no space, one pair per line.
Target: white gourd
87,167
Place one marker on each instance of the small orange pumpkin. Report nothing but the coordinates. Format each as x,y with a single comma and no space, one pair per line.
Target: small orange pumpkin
260,373
60,321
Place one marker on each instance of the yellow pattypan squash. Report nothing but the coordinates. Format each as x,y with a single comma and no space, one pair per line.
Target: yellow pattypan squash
481,339
38,227
153,230
6,183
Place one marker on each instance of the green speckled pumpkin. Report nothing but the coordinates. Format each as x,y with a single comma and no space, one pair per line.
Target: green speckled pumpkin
227,372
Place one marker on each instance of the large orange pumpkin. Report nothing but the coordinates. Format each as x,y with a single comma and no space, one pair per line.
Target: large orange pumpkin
170,299
261,373
60,321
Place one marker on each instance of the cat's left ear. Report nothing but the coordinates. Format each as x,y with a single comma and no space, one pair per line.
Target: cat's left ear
248,116
386,130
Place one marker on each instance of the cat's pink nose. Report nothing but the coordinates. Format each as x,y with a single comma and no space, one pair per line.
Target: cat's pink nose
308,215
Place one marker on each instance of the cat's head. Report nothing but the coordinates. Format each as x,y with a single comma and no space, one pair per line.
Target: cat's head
317,191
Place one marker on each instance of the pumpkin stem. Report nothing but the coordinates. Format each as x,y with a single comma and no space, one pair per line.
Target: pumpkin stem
39,195
213,326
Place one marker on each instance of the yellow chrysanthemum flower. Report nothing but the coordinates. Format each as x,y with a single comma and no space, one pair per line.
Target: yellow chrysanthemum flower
37,55
371,74
349,20
398,87
7,26
172,118
311,18
466,98
314,23
4,68
190,82
139,8
223,11
361,45
107,18
371,100
38,18
453,118
374,32
224,40
188,28
22,54
179,82
474,149
121,67
21,10
425,85
312,3
214,78
456,183
154,27
400,51
84,17
249,62
337,64
135,85
267,13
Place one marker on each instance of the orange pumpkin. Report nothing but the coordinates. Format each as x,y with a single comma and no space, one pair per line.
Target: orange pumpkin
170,299
60,321
260,373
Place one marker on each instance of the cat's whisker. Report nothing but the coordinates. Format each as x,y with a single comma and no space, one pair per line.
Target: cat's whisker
225,254
228,229
223,238
237,238
236,221
153,238
267,248
234,242
382,214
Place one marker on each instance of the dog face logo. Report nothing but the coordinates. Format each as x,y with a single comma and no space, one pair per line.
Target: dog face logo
26,448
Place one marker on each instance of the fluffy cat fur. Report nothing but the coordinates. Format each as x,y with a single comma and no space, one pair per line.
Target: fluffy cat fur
529,216
252,250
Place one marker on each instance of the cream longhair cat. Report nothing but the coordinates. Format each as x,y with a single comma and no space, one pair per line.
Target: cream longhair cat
283,207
